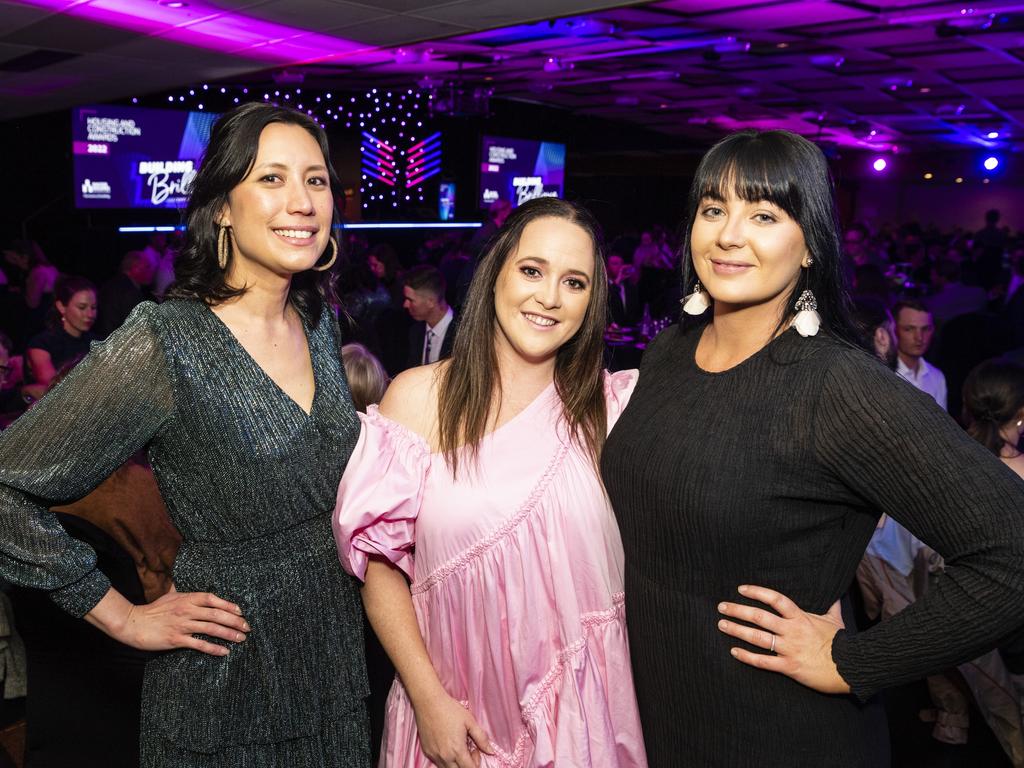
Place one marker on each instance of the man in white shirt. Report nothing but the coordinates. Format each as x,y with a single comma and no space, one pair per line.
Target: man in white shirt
432,335
914,331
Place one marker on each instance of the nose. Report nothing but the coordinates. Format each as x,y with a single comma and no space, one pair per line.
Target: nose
299,199
731,233
549,293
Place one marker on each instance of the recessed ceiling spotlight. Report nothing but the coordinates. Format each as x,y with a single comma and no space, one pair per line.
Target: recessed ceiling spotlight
959,179
992,135
173,3
782,45
929,175
926,89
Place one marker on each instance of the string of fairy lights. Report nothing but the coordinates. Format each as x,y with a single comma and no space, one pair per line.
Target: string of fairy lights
398,150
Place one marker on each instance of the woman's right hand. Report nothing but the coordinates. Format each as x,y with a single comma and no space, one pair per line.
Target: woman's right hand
446,729
172,621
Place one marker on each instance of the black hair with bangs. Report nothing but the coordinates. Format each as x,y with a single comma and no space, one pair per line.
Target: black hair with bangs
787,170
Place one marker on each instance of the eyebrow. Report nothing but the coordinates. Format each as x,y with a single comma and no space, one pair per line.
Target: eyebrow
283,167
545,262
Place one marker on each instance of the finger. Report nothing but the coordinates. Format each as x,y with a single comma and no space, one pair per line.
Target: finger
764,661
782,604
752,615
217,616
203,646
214,630
757,637
463,759
212,601
479,737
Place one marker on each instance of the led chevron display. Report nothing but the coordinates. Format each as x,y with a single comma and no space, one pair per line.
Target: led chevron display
398,154
423,160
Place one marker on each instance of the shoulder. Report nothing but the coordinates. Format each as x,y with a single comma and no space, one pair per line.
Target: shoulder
411,399
44,340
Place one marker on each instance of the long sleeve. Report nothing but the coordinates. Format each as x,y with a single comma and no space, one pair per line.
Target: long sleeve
108,408
895,449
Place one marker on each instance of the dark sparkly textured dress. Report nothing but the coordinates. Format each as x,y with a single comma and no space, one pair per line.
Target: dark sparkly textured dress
249,479
774,472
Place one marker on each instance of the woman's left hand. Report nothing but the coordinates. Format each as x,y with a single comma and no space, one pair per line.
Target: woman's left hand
798,644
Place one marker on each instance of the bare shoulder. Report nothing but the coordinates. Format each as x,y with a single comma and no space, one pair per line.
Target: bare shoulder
411,399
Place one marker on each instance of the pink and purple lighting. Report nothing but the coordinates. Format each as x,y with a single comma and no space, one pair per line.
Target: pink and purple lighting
879,164
203,25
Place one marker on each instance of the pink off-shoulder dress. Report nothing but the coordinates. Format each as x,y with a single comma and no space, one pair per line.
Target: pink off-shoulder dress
516,582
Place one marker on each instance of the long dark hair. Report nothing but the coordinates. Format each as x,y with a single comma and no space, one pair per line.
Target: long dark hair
229,157
993,395
469,383
788,171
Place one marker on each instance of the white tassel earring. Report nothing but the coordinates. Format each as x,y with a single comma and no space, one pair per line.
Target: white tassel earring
696,303
807,320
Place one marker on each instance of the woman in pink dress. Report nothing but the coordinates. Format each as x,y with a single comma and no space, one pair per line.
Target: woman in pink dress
476,480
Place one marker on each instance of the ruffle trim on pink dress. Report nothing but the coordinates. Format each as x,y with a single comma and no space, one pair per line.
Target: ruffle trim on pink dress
460,561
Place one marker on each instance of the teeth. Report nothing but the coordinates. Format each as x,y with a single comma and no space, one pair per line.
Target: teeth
299,234
540,320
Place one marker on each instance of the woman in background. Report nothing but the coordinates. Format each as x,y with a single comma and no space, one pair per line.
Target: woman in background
994,409
70,336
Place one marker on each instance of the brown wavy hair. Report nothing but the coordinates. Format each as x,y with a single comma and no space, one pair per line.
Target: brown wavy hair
470,385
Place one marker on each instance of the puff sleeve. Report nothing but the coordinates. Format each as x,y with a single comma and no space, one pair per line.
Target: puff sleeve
618,388
379,495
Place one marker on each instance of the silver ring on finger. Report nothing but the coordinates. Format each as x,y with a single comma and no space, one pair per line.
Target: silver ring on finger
772,649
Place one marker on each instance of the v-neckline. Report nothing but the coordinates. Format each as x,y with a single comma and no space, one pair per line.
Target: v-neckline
266,376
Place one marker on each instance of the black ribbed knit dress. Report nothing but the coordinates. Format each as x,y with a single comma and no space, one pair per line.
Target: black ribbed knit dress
774,473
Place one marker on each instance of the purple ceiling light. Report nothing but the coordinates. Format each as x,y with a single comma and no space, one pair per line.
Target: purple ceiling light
203,25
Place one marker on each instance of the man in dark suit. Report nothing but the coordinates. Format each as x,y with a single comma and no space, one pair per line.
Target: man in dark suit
430,339
623,299
119,295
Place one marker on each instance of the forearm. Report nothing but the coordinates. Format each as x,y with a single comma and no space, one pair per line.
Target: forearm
390,611
111,615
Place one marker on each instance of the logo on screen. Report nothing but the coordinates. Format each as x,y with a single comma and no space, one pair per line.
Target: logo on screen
95,190
167,179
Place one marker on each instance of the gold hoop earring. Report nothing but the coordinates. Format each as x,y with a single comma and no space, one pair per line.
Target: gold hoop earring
334,256
223,247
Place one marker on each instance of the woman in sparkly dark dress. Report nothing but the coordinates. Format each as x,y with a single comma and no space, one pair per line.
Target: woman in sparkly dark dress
759,449
235,387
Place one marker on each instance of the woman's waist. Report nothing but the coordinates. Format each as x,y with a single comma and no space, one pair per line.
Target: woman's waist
304,539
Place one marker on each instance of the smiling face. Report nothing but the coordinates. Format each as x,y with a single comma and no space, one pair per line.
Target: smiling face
280,213
543,290
79,314
747,253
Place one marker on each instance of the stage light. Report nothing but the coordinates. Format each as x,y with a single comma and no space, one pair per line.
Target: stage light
929,175
959,179
135,100
991,163
879,164
992,135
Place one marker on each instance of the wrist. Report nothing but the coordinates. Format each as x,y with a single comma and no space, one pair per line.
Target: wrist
424,692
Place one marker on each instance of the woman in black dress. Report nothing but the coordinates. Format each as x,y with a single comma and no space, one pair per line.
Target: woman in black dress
235,387
757,454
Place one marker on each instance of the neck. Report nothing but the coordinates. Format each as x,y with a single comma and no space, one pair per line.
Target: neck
519,375
913,362
437,314
265,297
736,333
70,330
1010,437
